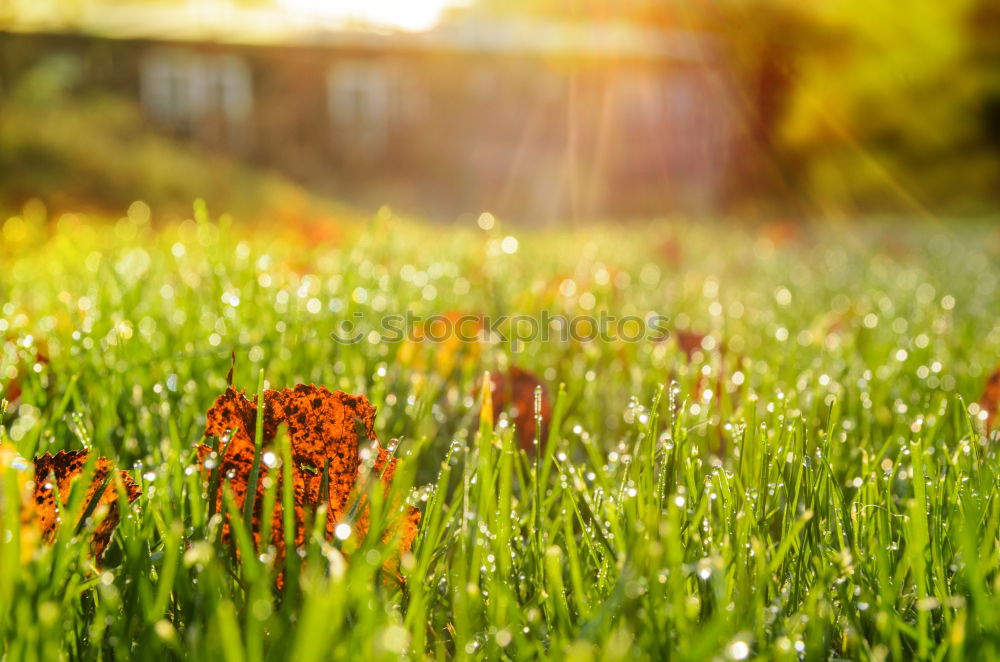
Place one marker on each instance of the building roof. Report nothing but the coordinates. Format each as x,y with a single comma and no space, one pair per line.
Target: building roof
229,24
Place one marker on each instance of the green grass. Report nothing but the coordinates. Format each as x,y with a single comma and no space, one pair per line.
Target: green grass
834,497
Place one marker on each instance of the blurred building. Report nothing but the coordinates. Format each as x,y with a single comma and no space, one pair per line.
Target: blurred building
531,119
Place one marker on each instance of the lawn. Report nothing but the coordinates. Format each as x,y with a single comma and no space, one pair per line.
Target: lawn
799,469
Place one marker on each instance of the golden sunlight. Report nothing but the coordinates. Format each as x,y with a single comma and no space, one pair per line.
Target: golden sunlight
410,15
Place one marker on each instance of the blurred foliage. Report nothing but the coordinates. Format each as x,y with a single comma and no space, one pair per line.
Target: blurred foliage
79,150
847,105
841,107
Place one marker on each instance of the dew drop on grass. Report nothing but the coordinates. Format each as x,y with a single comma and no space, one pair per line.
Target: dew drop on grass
738,650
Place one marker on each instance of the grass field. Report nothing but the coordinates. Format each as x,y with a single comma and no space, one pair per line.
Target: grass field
814,482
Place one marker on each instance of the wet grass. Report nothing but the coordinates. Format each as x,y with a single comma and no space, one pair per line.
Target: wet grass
813,482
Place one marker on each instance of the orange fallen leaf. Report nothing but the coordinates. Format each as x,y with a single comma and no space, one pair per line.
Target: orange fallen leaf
671,251
13,390
323,437
689,342
990,400
59,471
514,393
453,327
451,338
692,343
782,232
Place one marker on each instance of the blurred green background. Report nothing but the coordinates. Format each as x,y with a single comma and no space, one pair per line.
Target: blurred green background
833,109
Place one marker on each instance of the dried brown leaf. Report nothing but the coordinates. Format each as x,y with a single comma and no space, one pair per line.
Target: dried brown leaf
323,436
514,393
990,400
60,471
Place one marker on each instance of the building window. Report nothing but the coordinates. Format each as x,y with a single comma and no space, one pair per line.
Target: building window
367,102
359,96
209,96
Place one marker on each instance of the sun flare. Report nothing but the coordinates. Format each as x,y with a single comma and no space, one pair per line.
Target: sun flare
412,15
